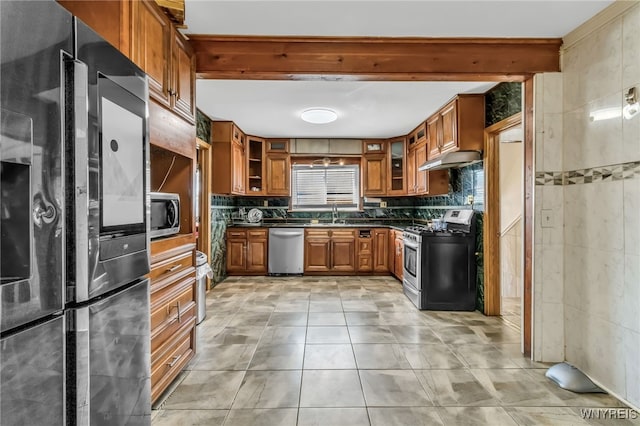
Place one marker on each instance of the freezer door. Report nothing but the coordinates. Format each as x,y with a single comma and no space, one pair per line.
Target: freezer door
32,390
110,371
34,39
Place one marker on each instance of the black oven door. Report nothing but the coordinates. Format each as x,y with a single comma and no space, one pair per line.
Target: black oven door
111,175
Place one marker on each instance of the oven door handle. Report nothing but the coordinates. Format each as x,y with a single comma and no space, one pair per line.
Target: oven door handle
411,245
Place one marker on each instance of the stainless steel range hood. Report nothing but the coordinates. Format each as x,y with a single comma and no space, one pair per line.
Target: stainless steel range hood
452,160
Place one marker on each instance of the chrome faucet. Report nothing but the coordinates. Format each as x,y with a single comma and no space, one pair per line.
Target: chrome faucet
334,213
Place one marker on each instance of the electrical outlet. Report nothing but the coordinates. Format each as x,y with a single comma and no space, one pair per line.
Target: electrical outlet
265,203
469,199
383,204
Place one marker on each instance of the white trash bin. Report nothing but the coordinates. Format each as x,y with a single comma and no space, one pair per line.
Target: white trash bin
203,270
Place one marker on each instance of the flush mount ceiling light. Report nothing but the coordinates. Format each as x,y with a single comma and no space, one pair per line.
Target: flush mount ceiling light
326,161
319,115
632,107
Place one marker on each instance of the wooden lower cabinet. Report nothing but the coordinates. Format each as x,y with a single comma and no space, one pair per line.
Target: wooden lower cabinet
330,251
380,250
395,255
317,254
365,254
173,310
171,358
343,252
257,250
247,251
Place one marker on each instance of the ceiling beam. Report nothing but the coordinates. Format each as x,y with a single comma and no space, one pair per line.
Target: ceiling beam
373,58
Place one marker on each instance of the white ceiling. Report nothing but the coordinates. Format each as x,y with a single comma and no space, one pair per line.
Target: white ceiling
365,109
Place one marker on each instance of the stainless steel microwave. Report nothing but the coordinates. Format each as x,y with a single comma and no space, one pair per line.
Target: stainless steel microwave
165,214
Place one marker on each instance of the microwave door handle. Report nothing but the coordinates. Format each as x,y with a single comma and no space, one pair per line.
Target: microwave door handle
80,105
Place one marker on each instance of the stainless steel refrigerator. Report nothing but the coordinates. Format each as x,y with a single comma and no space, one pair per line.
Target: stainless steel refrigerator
74,246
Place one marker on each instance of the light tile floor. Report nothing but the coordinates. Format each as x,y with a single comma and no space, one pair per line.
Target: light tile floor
511,311
342,351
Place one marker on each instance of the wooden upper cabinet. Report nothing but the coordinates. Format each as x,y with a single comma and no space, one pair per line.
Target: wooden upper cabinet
256,179
277,146
183,78
236,135
417,136
151,47
422,177
167,58
433,135
238,157
278,167
397,169
374,167
109,18
411,173
373,146
459,125
229,157
278,174
449,140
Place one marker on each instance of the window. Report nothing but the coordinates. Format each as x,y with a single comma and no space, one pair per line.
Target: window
319,188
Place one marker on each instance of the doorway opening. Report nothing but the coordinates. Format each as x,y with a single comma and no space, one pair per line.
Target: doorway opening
511,168
506,225
202,199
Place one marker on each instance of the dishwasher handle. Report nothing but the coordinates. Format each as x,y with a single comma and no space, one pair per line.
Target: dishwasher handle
286,234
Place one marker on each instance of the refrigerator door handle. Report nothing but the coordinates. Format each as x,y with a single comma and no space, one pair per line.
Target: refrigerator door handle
81,176
80,328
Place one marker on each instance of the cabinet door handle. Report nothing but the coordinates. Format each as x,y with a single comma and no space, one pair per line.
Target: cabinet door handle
177,306
331,255
174,361
173,268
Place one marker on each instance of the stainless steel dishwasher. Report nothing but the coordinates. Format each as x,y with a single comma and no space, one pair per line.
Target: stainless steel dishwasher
286,251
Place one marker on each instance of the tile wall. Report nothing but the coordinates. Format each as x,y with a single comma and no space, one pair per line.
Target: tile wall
222,208
587,273
548,286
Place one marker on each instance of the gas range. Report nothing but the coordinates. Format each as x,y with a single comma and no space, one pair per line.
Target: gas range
440,264
456,223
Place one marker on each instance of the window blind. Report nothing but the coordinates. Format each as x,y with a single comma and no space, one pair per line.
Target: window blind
319,188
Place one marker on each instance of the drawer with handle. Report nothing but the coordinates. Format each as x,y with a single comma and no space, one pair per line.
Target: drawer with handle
171,358
171,266
165,303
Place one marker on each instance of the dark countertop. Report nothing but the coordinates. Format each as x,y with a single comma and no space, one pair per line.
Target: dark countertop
397,226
